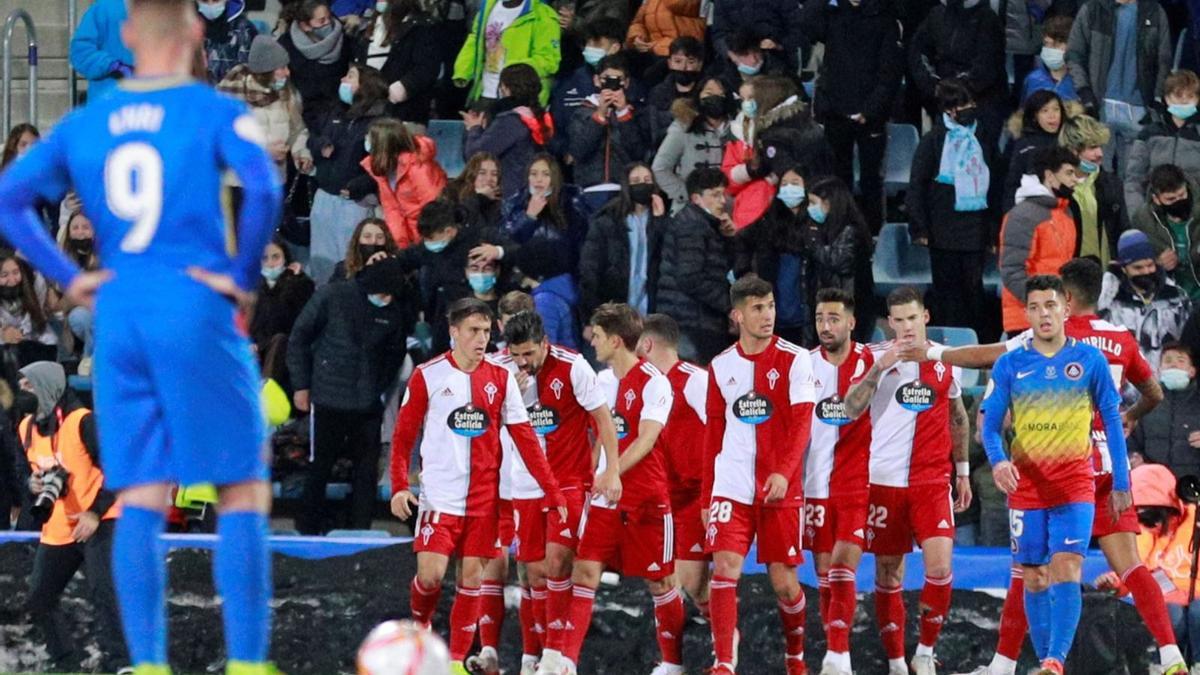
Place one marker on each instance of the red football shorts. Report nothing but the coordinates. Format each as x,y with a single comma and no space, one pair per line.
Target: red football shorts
896,517
733,526
529,516
637,543
828,521
507,527
689,527
464,536
1102,523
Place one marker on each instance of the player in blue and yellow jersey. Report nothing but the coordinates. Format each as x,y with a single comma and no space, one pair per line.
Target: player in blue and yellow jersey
176,388
1052,384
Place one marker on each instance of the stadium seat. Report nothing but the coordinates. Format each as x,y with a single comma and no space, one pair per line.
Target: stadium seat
902,142
899,263
991,275
953,336
449,135
878,335
361,534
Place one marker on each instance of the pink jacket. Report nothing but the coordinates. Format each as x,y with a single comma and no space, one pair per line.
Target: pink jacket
419,180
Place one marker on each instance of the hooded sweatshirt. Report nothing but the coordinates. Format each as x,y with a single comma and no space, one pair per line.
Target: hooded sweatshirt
1038,235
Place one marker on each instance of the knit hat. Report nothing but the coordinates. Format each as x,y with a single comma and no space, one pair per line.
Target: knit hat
383,276
266,55
1134,245
540,259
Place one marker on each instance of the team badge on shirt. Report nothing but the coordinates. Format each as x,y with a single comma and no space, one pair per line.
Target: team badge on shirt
543,420
752,409
916,396
1073,371
467,421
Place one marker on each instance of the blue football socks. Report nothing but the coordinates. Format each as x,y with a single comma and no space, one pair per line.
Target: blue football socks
1066,603
140,577
1037,611
242,573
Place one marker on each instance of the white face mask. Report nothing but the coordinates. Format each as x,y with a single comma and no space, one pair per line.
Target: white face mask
211,11
1174,379
1053,58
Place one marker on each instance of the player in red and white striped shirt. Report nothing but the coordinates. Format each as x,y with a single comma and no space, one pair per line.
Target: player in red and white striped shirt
683,454
918,423
632,535
836,478
759,410
460,399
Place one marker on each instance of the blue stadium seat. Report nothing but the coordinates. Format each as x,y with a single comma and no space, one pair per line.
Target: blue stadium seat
878,335
449,136
361,534
902,142
899,263
953,336
991,275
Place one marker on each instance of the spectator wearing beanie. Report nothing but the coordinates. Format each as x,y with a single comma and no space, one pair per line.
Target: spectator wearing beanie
318,54
1153,309
97,51
344,352
514,130
1173,137
856,88
608,131
265,84
1038,235
695,140
543,270
228,35
774,25
1171,219
398,43
503,33
402,169
283,291
658,23
1050,70
1098,204
952,198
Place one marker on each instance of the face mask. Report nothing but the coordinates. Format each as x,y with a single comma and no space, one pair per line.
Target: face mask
749,70
1053,58
481,282
546,193
436,246
817,214
324,31
272,273
367,144
966,117
686,77
368,250
1180,210
592,55
641,193
211,11
346,93
713,106
1063,192
1145,282
279,84
791,195
10,292
381,6
750,108
1181,110
378,300
82,246
25,403
1088,167
1174,379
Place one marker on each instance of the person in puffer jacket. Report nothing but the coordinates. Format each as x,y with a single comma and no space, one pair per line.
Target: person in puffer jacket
658,22
516,128
405,174
695,140
1172,138
228,35
607,131
1038,235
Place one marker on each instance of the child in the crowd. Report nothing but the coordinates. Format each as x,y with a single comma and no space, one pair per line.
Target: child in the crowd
405,173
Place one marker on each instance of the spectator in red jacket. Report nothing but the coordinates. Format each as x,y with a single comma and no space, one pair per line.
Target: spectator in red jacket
406,174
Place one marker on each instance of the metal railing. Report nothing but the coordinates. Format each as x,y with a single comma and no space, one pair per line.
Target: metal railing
31,35
72,85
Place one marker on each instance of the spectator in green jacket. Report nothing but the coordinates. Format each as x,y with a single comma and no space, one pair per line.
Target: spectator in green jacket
505,32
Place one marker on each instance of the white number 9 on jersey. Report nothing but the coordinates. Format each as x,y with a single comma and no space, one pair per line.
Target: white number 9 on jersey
133,185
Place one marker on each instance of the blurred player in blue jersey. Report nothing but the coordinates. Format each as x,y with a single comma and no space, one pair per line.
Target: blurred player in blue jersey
176,388
1052,383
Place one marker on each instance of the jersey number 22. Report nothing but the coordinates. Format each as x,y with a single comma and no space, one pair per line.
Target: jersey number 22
133,184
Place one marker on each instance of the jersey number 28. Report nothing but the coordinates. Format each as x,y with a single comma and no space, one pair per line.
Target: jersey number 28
133,184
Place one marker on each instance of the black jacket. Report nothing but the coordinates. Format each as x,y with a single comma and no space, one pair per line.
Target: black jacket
864,57
1021,152
604,262
409,61
955,41
931,213
693,277
602,151
777,20
277,307
1161,436
759,246
441,281
317,82
346,134
346,350
787,136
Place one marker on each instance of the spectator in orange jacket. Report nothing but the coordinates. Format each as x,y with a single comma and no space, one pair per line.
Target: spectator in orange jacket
658,22
406,173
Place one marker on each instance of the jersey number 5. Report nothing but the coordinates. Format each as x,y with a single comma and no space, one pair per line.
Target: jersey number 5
133,183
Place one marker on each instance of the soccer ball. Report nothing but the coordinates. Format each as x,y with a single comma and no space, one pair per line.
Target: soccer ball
403,648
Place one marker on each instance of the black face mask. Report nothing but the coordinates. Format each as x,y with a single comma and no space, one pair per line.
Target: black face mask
967,116
25,403
714,106
1064,192
82,246
365,251
1180,210
686,77
641,193
10,292
1147,283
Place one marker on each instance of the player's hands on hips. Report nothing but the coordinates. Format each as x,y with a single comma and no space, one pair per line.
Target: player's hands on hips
1006,476
82,290
1118,502
775,488
608,485
962,485
86,524
224,285
403,503
300,399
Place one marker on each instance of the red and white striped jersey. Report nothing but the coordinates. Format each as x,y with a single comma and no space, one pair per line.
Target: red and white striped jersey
1125,362
644,394
759,416
910,422
836,462
681,439
461,414
559,400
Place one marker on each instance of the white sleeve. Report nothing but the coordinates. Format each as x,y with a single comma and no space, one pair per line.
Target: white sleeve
607,383
513,409
1014,343
657,399
955,382
695,393
584,382
802,389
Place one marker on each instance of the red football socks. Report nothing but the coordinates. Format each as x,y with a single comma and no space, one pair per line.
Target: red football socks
935,603
464,615
723,601
839,618
576,628
889,614
1148,599
1013,625
668,623
423,601
491,616
792,615
558,613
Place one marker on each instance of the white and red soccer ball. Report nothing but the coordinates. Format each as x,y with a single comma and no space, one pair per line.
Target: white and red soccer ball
403,648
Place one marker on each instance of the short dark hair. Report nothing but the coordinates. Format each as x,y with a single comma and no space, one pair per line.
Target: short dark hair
524,327
952,94
703,179
1044,282
1058,27
618,318
1166,178
1052,158
523,82
1085,278
616,61
662,327
903,296
749,286
688,46
515,302
436,216
604,28
744,41
464,308
1178,347
836,295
